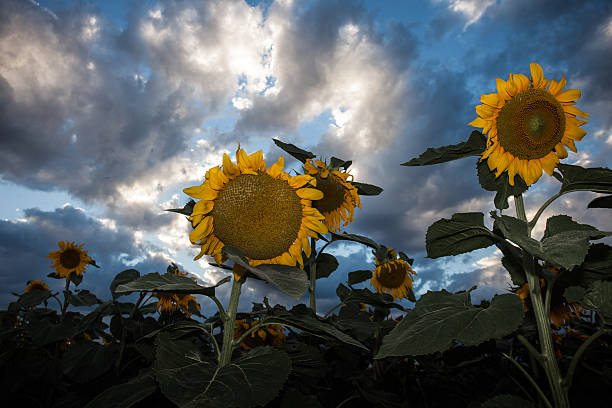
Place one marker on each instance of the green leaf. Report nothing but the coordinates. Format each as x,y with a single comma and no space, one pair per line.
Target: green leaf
288,279
513,262
154,282
601,202
359,276
302,318
438,318
367,189
597,264
186,210
474,146
83,362
599,298
326,264
121,278
507,401
30,299
339,163
300,154
368,297
565,243
82,298
188,380
127,394
355,238
501,185
576,178
574,294
464,232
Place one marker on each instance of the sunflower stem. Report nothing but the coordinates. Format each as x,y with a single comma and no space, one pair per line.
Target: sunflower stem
229,323
312,289
530,379
66,290
551,368
576,358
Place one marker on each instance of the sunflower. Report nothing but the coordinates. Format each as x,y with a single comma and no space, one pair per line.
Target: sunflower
169,302
561,310
70,258
35,284
339,196
269,335
266,214
392,275
529,122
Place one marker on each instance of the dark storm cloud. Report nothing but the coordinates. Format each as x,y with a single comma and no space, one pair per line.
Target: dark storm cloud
24,245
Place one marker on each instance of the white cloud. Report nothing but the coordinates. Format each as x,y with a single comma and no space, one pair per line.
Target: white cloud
472,10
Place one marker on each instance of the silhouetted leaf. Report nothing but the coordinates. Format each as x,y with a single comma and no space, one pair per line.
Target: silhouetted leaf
500,184
300,154
165,283
599,298
83,362
339,163
355,238
186,210
464,232
189,380
474,146
597,264
438,318
82,298
359,276
30,299
576,178
366,296
127,394
326,264
121,278
367,189
601,202
288,279
574,294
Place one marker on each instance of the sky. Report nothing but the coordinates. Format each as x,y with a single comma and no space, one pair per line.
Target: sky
109,109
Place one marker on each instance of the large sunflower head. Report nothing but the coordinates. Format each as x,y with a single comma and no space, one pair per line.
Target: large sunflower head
169,302
529,123
265,213
35,284
392,275
70,258
339,196
268,335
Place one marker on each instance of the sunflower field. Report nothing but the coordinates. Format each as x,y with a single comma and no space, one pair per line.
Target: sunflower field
546,343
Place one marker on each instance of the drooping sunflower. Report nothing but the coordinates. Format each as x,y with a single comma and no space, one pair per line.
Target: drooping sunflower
168,302
561,311
35,284
269,335
339,196
266,214
392,275
529,123
70,258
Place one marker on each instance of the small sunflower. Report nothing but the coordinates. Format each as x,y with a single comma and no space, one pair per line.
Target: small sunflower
70,258
269,335
339,196
35,284
561,310
529,122
392,276
169,302
266,214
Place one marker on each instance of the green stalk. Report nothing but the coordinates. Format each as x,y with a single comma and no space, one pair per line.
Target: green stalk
549,361
65,298
312,288
229,323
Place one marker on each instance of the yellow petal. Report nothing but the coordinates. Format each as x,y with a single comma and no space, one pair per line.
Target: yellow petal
202,192
216,178
486,111
478,122
521,82
560,150
315,225
203,229
229,168
501,89
276,169
570,144
320,164
549,162
575,111
203,207
569,95
537,75
511,88
556,87
301,180
310,168
306,245
574,132
309,193
490,99
512,171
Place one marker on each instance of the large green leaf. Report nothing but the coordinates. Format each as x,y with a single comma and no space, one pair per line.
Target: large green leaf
597,264
599,298
474,146
438,318
288,279
464,232
576,178
601,202
190,381
565,242
339,163
359,276
300,154
122,278
33,298
302,318
326,264
127,394
355,238
367,296
367,189
500,185
81,298
164,283
83,362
